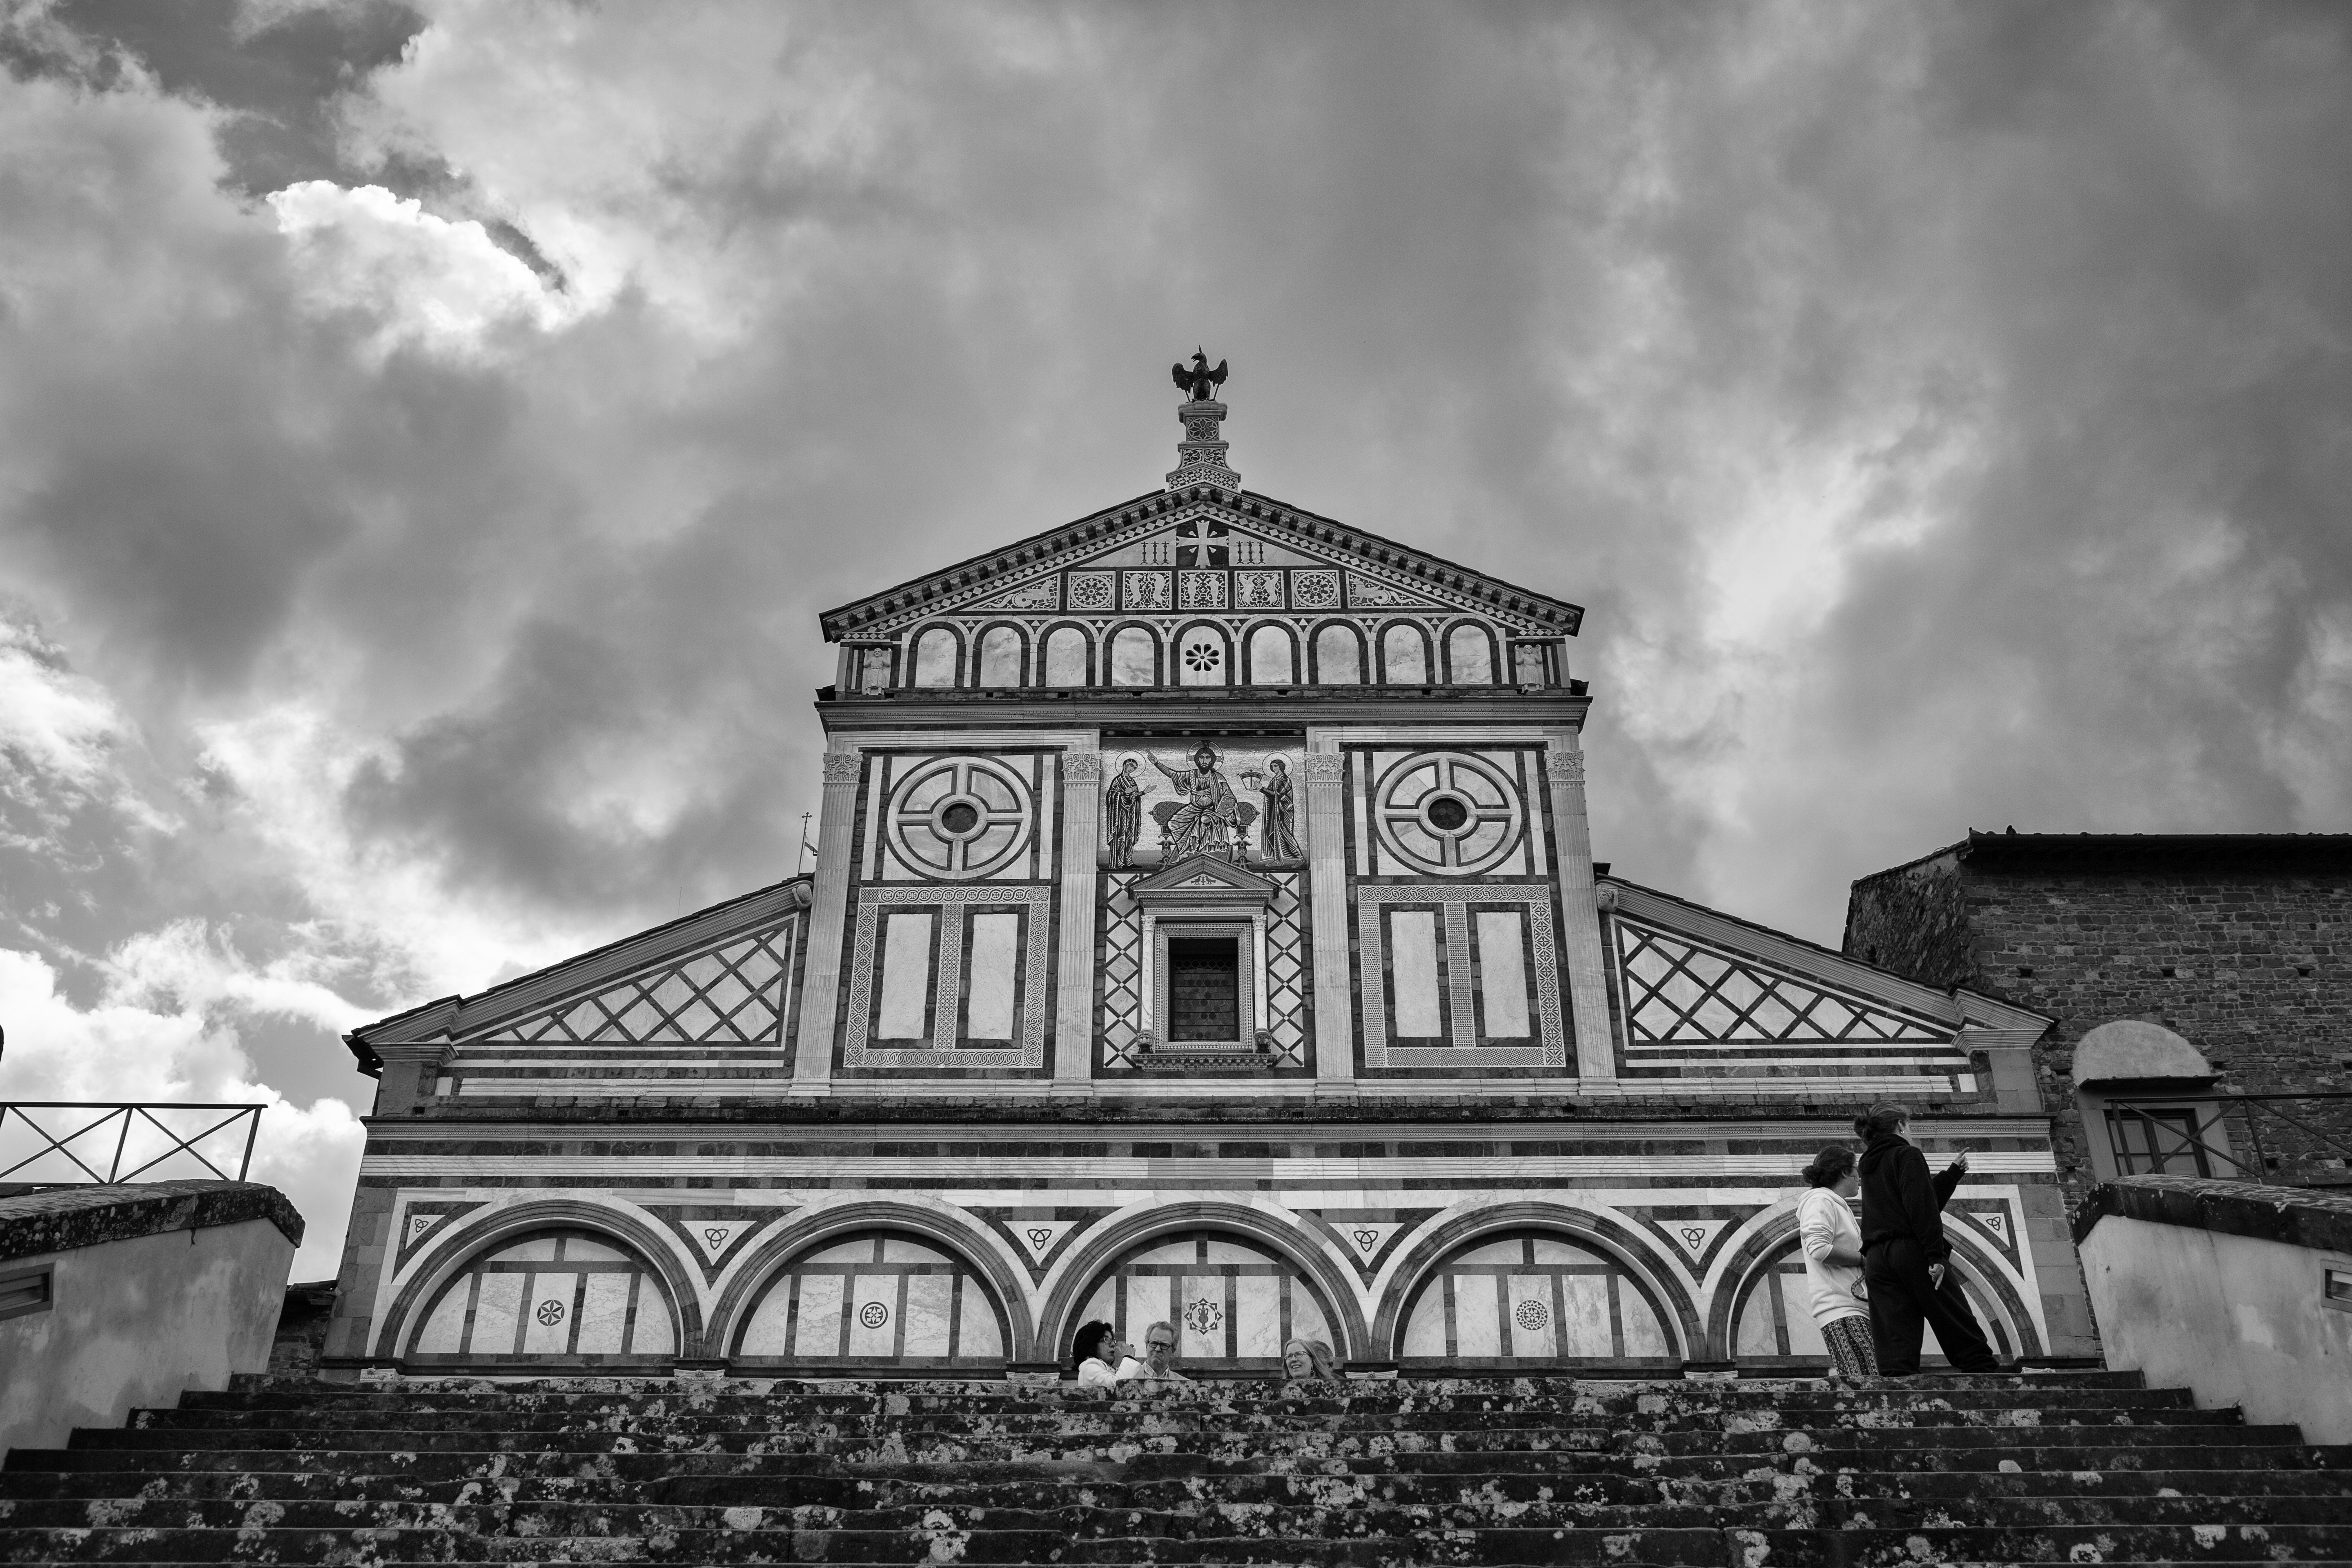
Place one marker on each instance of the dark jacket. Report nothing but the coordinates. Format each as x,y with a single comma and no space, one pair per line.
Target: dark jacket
1899,1198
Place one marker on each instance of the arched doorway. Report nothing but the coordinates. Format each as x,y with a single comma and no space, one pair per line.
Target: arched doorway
1533,1298
1234,1302
1772,1322
551,1300
872,1302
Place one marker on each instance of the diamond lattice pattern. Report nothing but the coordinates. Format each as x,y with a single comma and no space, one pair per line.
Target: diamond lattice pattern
1285,976
728,996
1677,990
1122,1009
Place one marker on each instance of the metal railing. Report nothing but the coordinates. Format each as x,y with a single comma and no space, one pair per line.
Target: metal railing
140,1135
2166,1137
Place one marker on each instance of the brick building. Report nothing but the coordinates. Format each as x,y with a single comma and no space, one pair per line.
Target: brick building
2237,943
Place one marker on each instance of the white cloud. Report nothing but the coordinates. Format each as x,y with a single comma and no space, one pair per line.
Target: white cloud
422,279
122,1051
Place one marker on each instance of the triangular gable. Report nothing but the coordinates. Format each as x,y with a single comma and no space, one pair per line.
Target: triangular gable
1201,871
1679,989
1201,527
728,995
715,976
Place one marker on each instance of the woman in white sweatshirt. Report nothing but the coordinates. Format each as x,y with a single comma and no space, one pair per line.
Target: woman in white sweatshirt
1832,1247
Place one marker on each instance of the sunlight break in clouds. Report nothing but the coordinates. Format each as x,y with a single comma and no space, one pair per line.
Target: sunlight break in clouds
442,284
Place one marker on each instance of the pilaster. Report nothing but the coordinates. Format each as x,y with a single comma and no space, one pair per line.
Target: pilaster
1587,986
1074,1013
1326,907
821,976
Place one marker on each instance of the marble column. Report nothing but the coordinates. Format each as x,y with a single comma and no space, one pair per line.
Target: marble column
1587,986
821,975
1073,1015
1326,907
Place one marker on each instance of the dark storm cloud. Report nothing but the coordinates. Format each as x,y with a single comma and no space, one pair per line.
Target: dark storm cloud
1940,409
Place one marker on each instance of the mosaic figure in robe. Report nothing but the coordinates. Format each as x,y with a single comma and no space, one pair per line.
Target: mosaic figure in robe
1208,818
1278,828
1123,815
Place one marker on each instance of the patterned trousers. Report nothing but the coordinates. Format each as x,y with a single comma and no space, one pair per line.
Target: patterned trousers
1851,1353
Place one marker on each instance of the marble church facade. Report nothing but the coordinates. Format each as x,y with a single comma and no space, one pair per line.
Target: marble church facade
1204,926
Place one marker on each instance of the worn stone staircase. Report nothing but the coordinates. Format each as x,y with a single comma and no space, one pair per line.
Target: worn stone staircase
2044,1467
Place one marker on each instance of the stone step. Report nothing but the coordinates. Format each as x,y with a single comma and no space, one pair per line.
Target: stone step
985,1509
934,1425
943,1542
891,1444
2026,1546
1615,1398
641,1468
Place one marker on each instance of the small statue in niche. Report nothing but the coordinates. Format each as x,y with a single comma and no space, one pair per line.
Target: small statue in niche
1208,819
1123,815
1278,827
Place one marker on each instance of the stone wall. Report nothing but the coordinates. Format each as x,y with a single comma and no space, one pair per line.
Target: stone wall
2248,964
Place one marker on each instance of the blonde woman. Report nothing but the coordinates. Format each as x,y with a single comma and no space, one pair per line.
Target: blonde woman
1310,1361
1832,1242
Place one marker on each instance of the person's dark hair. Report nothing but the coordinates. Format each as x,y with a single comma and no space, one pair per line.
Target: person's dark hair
1881,1120
1830,1166
1088,1344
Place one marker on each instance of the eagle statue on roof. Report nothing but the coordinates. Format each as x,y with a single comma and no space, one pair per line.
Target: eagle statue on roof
1199,382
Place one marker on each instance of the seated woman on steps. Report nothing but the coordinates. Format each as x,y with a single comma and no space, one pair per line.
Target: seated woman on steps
1311,1361
1832,1243
1096,1353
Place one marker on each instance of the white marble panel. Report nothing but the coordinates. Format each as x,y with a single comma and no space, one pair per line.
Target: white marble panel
1796,1299
1644,1335
1502,975
1307,1319
818,1332
1412,970
494,1314
1541,1341
580,1249
879,1338
1584,1321
604,1315
1147,1303
440,1334
930,1303
1257,1315
996,959
980,1336
550,1294
539,1249
1476,1330
764,1335
1196,1288
1425,1335
906,977
655,1334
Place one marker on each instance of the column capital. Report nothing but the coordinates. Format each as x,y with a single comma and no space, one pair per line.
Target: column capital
843,768
1324,768
1562,767
1082,767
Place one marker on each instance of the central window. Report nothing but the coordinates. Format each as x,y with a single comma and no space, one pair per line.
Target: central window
1204,990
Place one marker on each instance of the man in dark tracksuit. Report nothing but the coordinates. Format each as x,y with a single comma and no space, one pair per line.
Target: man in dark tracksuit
1905,1257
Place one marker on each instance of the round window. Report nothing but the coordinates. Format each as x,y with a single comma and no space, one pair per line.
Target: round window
1449,813
960,817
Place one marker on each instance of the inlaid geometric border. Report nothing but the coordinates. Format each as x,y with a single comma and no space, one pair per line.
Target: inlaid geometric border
1457,901
1732,998
1122,961
1027,1051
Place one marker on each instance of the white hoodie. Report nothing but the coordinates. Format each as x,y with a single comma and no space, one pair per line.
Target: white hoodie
1825,1222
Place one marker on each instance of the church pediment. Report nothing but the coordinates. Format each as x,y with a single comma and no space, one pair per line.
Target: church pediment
1203,552
1204,882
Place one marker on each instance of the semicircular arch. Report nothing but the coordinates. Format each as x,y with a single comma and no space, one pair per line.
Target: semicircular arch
1075,1280
805,1233
485,1233
1612,1237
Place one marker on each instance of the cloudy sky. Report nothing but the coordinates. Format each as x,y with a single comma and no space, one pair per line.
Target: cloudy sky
427,434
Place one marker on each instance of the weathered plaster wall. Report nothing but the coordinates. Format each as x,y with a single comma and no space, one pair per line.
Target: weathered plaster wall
137,1322
2184,1295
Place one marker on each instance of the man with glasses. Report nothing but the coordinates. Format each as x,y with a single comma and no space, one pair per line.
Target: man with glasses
1159,1356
